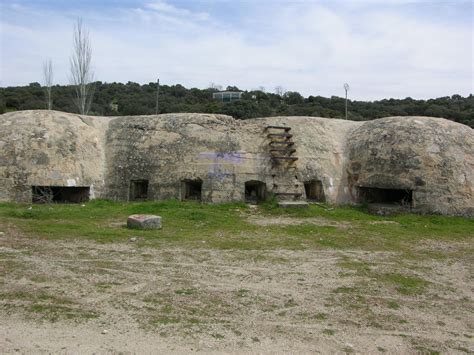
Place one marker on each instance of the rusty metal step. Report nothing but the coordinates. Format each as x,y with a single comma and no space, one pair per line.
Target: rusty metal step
278,127
285,158
282,143
280,135
282,150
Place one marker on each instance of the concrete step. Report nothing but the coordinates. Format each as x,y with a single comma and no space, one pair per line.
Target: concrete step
283,186
293,204
291,194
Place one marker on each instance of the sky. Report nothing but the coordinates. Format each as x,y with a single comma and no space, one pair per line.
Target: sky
381,48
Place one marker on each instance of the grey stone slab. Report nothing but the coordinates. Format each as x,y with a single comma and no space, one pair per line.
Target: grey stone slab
293,204
144,221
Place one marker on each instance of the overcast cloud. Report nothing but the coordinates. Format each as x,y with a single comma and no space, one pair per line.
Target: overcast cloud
383,49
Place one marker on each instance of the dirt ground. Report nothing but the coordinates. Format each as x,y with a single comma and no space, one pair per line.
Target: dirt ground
81,296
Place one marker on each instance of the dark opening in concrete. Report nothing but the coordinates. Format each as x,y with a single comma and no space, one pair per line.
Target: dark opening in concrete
191,189
138,190
402,197
314,191
255,191
64,194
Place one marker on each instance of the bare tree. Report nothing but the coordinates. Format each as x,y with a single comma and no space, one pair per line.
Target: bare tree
346,89
215,86
279,91
157,96
81,71
48,81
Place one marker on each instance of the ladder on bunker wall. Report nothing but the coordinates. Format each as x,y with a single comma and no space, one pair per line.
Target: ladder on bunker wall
282,149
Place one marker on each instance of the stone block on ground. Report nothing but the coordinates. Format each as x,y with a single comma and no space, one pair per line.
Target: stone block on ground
144,221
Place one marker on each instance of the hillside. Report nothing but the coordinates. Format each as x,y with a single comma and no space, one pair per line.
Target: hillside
117,99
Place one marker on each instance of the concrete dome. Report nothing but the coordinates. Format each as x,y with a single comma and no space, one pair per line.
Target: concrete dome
49,148
431,159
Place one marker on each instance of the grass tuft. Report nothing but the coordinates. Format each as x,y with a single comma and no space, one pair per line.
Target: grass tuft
406,285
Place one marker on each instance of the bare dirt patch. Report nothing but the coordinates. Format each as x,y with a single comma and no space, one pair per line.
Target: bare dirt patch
382,222
82,296
292,221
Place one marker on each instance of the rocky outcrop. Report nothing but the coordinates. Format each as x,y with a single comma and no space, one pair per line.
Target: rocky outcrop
215,158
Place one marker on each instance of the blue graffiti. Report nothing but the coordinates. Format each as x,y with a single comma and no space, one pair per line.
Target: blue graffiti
215,169
233,157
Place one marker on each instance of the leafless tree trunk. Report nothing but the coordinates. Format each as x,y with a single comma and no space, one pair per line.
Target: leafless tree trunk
81,71
48,81
215,86
279,91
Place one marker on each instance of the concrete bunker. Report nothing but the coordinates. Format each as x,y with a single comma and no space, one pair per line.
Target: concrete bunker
60,194
314,191
191,189
432,156
399,197
255,191
138,190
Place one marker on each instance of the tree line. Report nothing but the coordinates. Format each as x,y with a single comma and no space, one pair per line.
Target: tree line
118,99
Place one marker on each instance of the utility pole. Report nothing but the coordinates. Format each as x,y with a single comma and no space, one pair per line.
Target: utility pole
157,95
346,88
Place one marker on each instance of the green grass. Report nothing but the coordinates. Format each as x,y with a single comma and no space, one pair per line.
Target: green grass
185,291
329,332
164,320
321,316
217,336
225,226
393,305
406,285
34,296
242,292
54,313
426,351
43,306
344,289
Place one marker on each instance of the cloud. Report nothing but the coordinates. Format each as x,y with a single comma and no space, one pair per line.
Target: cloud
163,7
311,47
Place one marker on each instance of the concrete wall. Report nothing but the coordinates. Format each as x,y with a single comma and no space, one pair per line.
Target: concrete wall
434,157
224,153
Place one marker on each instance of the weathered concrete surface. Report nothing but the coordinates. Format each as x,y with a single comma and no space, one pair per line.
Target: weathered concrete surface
144,221
433,157
222,152
321,149
293,204
50,148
